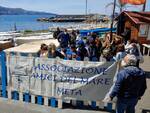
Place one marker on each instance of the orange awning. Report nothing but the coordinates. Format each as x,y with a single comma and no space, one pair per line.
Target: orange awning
133,2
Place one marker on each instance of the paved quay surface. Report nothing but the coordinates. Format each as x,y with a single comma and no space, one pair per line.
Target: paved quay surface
19,107
144,103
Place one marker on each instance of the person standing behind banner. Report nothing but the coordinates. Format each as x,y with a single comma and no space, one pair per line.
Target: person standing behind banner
132,47
53,53
118,58
56,33
78,36
126,34
64,39
93,50
129,87
73,48
106,40
81,50
120,52
73,36
98,44
43,52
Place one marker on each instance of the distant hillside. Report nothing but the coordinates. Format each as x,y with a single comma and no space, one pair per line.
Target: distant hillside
20,11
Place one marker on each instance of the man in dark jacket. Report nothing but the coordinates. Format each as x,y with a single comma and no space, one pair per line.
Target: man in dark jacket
64,39
129,86
56,33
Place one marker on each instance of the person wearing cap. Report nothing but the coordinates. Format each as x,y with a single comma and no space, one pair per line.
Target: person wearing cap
129,86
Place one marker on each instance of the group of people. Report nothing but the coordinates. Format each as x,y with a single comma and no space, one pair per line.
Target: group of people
49,51
75,46
130,83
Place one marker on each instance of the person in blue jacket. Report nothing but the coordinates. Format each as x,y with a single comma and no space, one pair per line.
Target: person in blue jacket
64,39
129,86
81,50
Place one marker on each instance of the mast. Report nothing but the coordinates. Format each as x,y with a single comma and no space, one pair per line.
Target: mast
144,6
113,16
15,27
86,7
86,10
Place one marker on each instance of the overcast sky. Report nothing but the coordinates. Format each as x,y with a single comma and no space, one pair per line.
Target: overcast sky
66,6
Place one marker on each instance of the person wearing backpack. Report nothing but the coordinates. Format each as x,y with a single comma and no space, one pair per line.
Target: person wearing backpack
129,86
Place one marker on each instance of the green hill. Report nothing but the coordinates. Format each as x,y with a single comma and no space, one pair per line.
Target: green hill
20,11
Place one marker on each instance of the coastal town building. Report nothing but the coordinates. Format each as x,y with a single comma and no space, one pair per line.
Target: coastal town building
137,22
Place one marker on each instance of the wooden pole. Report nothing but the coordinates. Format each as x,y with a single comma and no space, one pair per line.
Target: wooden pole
144,6
113,16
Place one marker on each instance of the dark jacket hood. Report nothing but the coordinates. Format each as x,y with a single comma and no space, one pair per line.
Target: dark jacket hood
134,70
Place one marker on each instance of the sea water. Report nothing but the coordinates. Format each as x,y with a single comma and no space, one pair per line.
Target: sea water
25,22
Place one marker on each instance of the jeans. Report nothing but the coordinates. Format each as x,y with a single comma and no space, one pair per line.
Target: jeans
127,105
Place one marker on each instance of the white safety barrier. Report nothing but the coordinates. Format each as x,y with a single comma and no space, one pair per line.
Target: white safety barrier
47,81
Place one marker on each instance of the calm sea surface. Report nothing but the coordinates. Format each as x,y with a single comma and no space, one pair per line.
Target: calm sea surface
25,22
